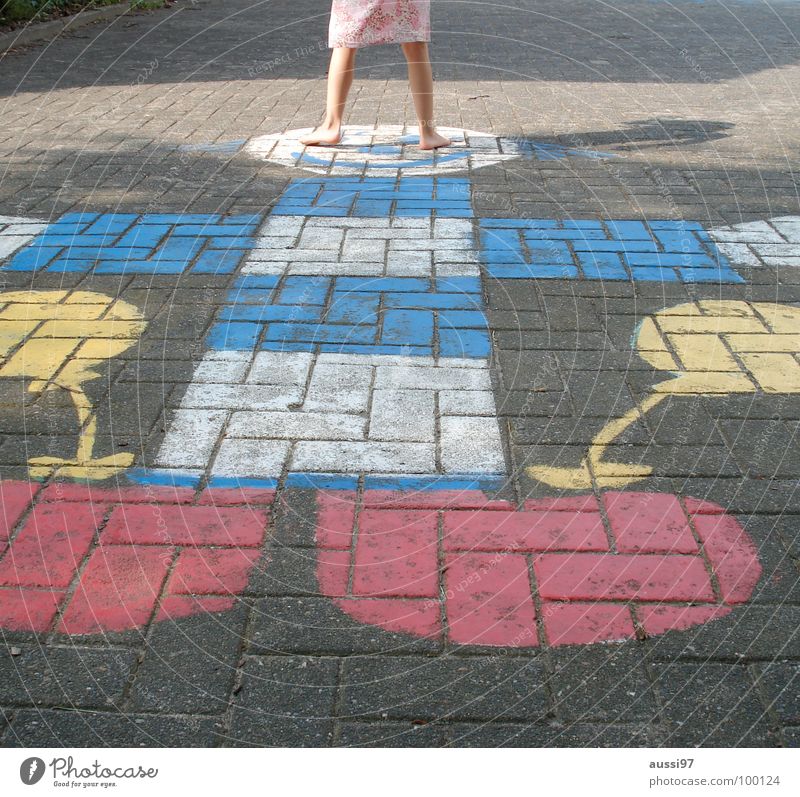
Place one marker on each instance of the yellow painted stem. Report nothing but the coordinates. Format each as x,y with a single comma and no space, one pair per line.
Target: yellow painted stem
615,428
88,424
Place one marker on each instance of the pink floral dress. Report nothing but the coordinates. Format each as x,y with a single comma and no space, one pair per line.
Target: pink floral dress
360,23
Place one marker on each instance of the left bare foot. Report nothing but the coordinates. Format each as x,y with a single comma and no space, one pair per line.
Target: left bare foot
433,140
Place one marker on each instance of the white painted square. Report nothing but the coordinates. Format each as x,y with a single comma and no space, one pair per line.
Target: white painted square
471,445
258,458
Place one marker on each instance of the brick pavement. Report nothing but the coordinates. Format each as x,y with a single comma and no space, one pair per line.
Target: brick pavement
368,446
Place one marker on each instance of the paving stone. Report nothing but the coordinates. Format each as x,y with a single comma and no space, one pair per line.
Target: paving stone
762,448
552,735
592,684
469,688
284,702
285,571
471,445
778,683
170,681
392,734
56,676
792,736
749,632
711,705
59,728
316,625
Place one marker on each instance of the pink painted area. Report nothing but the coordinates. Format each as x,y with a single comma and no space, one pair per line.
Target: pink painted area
29,609
396,554
698,506
652,522
586,623
89,493
212,571
653,577
185,525
51,545
54,575
236,496
657,619
336,512
433,499
15,498
171,553
732,554
333,572
587,591
118,589
529,530
565,503
489,600
177,607
418,618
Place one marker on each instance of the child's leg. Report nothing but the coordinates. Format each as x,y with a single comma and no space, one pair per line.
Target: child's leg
420,78
340,78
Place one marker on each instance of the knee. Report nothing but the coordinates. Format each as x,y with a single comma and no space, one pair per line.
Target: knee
415,51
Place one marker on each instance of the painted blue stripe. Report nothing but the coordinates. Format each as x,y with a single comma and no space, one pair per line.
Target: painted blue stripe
324,481
171,478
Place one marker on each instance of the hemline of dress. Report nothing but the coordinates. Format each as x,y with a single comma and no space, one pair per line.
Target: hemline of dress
332,46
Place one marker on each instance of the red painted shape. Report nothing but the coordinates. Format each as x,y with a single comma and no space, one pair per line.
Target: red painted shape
489,600
176,607
586,623
566,503
698,506
652,577
28,609
212,571
656,574
418,618
51,545
404,577
336,512
236,496
185,525
15,498
396,554
333,572
733,553
118,589
658,618
53,575
653,522
433,499
88,493
531,530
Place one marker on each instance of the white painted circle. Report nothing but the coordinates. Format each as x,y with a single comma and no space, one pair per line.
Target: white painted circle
384,151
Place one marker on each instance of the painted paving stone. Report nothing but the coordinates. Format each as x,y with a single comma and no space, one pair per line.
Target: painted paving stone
711,348
352,351
127,243
92,560
391,150
55,340
556,571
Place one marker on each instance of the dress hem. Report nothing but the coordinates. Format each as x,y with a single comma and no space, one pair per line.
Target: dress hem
361,45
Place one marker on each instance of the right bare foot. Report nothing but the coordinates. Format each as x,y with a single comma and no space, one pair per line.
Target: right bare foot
322,136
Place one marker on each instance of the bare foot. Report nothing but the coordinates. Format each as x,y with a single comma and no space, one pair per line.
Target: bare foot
433,140
322,136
